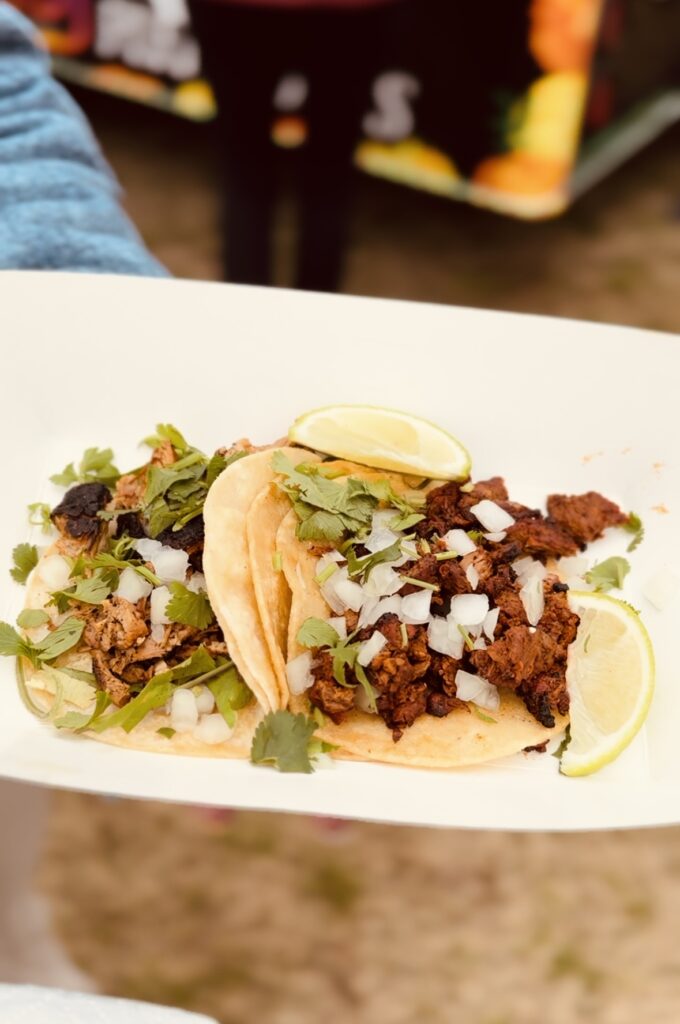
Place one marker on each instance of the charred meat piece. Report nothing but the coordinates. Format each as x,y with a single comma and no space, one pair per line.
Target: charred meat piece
76,514
480,560
584,516
452,578
116,623
541,539
117,689
440,704
397,674
163,454
130,490
327,694
425,569
545,694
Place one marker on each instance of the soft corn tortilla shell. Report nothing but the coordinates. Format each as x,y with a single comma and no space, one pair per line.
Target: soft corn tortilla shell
460,739
144,736
272,593
228,572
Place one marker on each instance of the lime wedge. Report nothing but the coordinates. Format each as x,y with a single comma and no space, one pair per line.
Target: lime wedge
610,678
383,438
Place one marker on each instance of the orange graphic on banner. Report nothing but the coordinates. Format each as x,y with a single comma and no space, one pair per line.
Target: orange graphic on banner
67,26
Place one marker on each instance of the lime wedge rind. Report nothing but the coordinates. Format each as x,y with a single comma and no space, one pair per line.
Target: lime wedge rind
383,438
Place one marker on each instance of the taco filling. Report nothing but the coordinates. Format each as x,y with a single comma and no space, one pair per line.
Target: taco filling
442,598
124,579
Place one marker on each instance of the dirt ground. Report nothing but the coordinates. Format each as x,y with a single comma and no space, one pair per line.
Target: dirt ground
287,920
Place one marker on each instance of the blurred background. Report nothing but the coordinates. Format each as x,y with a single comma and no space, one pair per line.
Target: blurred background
523,156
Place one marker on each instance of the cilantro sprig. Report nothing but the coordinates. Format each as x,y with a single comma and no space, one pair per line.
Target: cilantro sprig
40,514
319,634
96,466
330,509
57,642
283,740
25,558
609,575
189,608
635,526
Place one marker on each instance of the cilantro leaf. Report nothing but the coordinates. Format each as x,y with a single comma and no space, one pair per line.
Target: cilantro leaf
282,739
25,557
88,590
96,466
29,618
39,514
166,432
230,693
321,526
363,566
78,722
635,526
317,633
60,640
189,608
166,731
610,574
12,645
217,464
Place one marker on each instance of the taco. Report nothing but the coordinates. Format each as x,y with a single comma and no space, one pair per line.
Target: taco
120,638
425,626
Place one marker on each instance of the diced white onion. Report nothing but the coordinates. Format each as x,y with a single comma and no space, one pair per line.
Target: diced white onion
381,536
374,610
212,729
197,583
492,516
415,608
409,550
458,541
132,586
531,596
205,702
529,568
299,673
662,588
157,632
474,688
370,648
55,572
170,564
160,596
496,538
445,638
342,593
479,644
469,609
351,594
339,624
472,576
183,711
490,622
383,581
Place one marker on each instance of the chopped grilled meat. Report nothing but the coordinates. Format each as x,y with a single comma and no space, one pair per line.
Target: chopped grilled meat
493,489
76,514
541,539
557,619
584,516
452,578
327,694
397,674
480,560
190,539
442,674
115,623
425,569
545,694
517,657
117,689
538,748
129,490
163,454
442,512
440,704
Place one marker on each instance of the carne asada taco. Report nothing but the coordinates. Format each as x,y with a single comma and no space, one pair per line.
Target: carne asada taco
425,626
120,637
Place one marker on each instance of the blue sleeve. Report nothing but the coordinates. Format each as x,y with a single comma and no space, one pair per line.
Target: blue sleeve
59,201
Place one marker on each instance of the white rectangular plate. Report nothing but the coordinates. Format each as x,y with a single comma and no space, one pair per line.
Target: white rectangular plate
551,405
